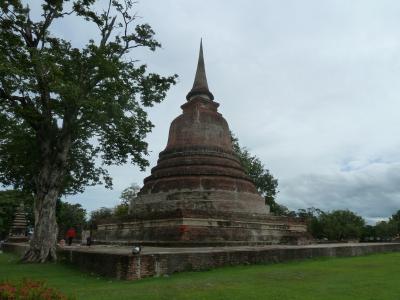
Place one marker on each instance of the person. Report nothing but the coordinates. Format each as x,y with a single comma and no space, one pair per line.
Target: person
71,234
62,243
89,241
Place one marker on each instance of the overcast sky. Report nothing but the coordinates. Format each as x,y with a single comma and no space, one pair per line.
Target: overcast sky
311,87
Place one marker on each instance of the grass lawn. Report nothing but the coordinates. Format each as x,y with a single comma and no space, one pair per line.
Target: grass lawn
367,277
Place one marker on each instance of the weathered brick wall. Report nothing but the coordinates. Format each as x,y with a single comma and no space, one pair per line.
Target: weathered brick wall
110,265
205,231
132,267
17,248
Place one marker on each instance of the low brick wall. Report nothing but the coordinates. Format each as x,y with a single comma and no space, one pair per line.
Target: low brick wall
132,267
105,264
17,248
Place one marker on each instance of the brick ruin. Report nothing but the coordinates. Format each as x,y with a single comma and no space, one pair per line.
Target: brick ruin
19,227
198,194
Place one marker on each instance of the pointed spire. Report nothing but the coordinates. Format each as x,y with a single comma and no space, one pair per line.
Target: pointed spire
200,86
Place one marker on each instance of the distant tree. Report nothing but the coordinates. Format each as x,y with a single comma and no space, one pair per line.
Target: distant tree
368,233
312,218
9,202
122,210
395,221
265,183
57,99
341,225
129,193
69,215
385,230
279,209
100,215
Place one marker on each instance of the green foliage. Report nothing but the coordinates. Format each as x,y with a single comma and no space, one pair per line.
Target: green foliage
382,231
69,215
121,210
68,111
395,221
265,183
312,218
368,233
129,193
100,215
57,99
9,202
337,225
341,225
279,209
385,230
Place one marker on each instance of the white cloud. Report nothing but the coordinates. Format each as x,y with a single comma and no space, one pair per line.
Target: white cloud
311,87
372,190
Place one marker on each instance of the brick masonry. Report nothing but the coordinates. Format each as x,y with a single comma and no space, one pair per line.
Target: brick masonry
199,194
117,262
133,267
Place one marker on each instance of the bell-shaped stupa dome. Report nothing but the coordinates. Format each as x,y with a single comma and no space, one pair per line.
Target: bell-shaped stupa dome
198,173
198,194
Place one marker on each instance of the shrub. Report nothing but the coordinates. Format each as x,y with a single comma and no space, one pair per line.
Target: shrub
29,290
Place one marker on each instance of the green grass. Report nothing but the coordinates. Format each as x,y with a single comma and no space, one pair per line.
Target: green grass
367,277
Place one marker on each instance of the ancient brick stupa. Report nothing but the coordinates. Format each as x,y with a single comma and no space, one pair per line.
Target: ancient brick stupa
198,194
19,227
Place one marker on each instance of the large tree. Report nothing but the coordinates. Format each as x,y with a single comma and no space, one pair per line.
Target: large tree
68,111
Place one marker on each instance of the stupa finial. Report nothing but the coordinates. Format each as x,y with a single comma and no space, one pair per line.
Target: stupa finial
200,86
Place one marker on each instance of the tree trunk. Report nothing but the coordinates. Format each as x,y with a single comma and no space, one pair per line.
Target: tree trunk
54,148
44,240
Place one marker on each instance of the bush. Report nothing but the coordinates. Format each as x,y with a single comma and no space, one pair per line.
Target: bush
29,290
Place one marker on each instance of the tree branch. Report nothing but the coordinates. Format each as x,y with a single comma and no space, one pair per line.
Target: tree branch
25,101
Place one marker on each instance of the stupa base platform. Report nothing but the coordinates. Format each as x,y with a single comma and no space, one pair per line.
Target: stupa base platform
198,232
17,239
119,262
